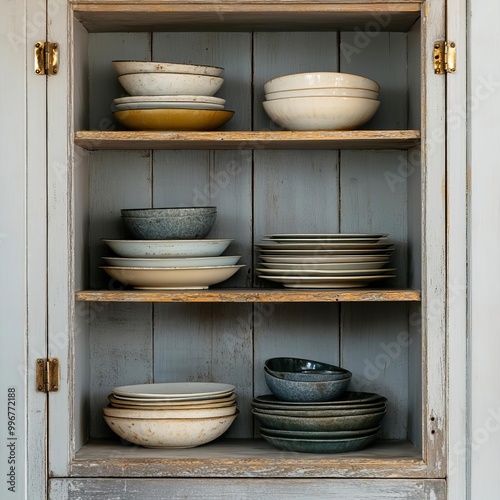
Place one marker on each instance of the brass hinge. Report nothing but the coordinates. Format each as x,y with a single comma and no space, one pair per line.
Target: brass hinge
46,58
47,375
445,57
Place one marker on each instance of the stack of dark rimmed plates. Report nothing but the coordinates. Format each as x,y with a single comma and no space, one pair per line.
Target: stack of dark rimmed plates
325,260
173,415
349,423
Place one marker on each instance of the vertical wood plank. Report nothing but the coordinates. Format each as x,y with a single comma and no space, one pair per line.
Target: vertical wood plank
375,342
278,54
207,343
380,56
103,79
120,354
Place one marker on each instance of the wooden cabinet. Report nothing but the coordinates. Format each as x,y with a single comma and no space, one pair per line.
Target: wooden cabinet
388,177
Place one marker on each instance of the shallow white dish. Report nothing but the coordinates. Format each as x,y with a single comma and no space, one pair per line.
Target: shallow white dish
170,432
181,400
173,389
327,259
321,79
170,98
333,266
124,67
325,282
171,278
168,105
322,246
321,252
321,113
324,272
170,413
170,83
225,260
321,240
168,248
216,402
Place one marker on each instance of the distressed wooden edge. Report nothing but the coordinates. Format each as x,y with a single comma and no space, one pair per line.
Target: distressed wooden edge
249,295
252,140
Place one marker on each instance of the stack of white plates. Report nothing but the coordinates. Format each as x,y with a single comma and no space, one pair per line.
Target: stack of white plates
325,260
171,264
170,96
179,415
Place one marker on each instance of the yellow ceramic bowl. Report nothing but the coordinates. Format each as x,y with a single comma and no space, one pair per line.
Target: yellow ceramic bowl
173,119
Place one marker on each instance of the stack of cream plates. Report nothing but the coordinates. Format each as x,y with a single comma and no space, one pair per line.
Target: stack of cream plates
325,260
174,415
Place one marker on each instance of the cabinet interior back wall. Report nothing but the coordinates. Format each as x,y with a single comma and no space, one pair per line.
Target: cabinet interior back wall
256,193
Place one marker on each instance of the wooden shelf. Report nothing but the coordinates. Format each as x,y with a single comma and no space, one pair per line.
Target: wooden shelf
245,458
250,295
356,139
248,15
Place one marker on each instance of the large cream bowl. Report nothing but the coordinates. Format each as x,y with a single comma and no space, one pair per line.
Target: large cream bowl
321,113
319,80
151,84
170,432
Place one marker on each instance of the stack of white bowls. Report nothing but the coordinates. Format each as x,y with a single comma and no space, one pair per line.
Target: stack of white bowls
170,96
171,415
321,101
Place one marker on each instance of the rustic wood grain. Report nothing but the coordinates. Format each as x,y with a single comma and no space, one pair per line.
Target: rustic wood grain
249,295
266,139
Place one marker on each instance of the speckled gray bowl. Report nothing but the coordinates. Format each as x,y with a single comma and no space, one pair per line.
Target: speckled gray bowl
292,390
182,227
166,212
304,370
319,424
319,434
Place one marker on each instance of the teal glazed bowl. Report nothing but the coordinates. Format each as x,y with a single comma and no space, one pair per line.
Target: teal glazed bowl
306,391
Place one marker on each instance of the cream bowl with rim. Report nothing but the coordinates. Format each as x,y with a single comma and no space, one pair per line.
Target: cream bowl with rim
321,79
126,67
328,92
321,113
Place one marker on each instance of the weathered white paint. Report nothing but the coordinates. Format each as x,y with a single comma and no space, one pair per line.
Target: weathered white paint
483,100
157,489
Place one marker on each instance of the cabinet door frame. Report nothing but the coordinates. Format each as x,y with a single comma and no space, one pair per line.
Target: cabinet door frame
61,310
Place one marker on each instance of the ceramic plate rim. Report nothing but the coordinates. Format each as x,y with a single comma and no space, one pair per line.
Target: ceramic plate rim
132,390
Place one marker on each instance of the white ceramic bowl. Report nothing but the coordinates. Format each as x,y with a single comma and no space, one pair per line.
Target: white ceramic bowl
331,92
168,248
126,67
319,80
170,413
171,432
321,113
173,278
151,84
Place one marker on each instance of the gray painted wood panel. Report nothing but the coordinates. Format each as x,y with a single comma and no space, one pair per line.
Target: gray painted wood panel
156,489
